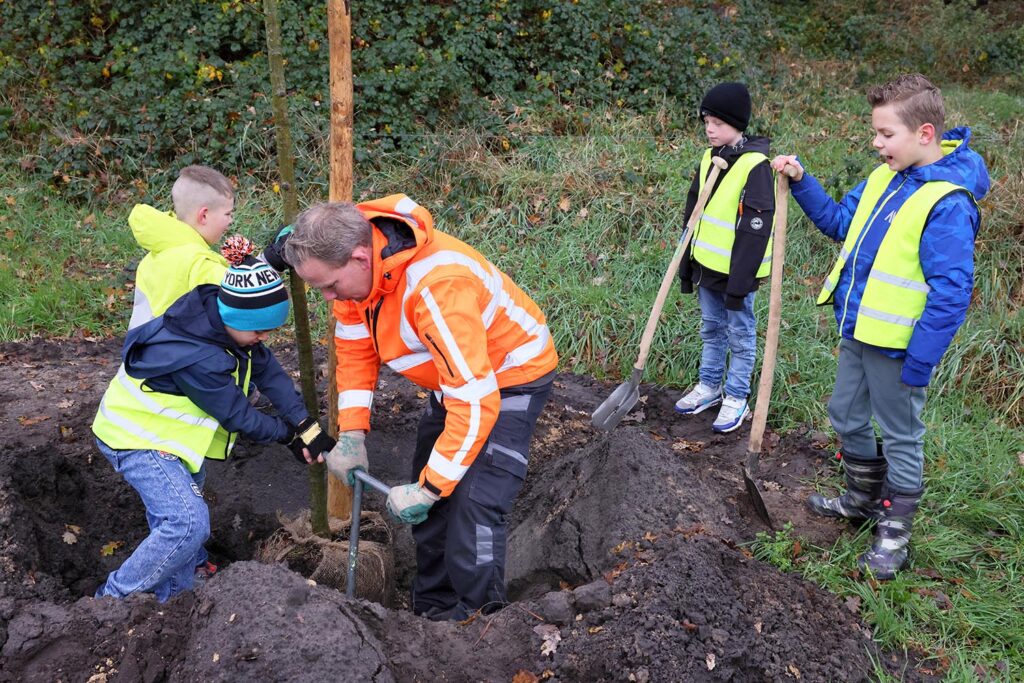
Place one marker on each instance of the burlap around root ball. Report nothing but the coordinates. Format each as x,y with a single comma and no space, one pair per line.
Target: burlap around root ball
326,560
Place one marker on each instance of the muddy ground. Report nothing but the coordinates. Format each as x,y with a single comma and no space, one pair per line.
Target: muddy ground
626,555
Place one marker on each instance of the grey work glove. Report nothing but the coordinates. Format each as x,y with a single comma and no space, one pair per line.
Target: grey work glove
410,503
348,455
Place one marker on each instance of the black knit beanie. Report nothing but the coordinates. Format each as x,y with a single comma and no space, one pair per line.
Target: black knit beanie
729,102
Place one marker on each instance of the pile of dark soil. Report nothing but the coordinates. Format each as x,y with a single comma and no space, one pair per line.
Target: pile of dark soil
626,556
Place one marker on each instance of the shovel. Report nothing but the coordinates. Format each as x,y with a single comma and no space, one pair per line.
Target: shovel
771,347
353,539
622,400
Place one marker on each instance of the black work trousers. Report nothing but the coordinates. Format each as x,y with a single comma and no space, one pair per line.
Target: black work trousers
460,548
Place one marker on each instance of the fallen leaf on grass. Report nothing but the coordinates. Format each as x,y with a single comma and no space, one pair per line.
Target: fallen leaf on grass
852,603
1020,458
26,421
550,635
110,548
564,204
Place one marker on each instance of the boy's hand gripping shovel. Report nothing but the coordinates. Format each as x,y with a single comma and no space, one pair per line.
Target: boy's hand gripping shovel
771,346
357,510
622,400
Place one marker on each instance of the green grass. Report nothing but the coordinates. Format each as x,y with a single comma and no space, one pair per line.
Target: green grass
587,224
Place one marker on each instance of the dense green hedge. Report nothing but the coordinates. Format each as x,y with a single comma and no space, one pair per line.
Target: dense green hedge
95,93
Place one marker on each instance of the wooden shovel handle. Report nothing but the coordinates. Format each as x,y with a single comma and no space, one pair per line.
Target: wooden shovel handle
771,338
718,165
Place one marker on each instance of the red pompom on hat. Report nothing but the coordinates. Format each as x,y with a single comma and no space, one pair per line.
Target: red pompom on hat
236,248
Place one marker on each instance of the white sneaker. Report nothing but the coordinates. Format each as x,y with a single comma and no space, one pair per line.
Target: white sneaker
700,398
731,416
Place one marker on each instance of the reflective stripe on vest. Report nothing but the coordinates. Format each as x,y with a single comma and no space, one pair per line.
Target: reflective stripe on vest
131,418
895,293
716,231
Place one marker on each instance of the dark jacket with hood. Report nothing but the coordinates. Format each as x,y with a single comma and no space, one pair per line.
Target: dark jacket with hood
749,246
187,352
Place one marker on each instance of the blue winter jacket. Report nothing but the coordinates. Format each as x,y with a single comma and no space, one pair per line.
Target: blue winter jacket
946,250
186,351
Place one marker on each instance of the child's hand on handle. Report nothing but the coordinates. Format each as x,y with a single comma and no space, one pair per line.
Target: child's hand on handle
788,164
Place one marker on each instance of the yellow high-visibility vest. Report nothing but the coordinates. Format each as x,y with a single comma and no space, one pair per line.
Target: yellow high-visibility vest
131,417
896,291
715,234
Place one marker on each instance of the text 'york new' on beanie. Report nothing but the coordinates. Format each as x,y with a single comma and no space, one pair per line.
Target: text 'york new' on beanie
729,102
252,297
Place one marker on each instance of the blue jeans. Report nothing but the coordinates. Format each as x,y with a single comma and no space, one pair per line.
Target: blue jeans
179,524
723,330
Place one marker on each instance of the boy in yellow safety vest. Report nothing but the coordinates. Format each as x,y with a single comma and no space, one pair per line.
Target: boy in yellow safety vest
900,290
729,251
179,398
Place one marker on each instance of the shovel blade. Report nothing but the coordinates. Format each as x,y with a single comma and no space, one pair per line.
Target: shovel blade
749,467
615,407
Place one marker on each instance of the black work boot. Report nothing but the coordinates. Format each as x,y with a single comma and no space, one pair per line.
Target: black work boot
864,477
888,552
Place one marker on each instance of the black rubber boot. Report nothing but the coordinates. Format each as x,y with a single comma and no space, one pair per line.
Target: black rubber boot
888,552
864,478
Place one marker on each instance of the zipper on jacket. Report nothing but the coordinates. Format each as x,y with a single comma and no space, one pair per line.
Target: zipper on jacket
441,353
856,251
371,323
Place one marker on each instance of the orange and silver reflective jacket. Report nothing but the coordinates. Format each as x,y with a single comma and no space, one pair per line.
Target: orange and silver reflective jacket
446,318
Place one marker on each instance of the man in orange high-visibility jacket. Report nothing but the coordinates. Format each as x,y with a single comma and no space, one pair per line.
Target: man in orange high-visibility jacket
435,310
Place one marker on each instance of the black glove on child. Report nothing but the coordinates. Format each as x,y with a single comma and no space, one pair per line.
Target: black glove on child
310,436
273,254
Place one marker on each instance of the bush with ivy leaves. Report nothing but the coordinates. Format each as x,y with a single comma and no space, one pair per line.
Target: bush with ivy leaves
100,95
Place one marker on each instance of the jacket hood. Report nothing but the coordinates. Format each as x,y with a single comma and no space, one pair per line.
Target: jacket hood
157,231
401,229
190,330
961,165
752,143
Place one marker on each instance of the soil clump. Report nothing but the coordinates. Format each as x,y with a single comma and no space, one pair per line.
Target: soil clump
626,554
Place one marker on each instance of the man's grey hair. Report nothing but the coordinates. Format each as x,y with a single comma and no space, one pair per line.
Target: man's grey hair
330,231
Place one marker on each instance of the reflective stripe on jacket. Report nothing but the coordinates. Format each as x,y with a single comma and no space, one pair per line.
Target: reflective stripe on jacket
179,260
715,234
896,291
130,417
447,319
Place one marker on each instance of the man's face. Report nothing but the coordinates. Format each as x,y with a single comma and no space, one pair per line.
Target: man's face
899,146
350,282
215,219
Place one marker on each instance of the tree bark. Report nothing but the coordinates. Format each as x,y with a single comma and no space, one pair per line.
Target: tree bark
339,32
289,195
